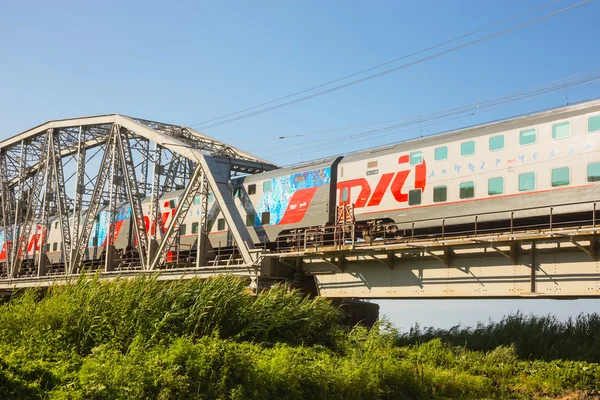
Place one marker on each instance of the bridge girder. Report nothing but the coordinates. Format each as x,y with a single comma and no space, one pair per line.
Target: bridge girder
72,168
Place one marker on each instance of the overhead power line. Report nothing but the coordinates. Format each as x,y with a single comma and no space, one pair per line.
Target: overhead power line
442,116
388,71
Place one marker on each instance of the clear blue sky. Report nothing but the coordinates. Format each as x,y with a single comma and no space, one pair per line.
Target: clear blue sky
188,62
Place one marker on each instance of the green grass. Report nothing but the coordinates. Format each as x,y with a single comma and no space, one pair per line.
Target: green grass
145,339
534,337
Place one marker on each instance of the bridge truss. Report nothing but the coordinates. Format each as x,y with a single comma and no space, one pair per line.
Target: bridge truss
70,169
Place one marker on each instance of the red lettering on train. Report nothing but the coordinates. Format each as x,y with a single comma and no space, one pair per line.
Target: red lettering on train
397,180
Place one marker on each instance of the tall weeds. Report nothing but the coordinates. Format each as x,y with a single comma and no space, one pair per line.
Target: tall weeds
534,337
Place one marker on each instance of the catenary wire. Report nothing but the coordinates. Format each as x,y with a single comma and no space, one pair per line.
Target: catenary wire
403,66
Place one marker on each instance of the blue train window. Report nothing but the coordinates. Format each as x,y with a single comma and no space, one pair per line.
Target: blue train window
594,124
593,172
440,153
495,186
528,136
467,148
211,197
496,142
196,200
560,176
561,130
467,190
414,197
416,158
267,186
345,195
527,181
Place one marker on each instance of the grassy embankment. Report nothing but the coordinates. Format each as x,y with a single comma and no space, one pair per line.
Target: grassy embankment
139,339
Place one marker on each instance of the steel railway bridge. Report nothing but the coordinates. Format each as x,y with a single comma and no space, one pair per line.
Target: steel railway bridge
71,168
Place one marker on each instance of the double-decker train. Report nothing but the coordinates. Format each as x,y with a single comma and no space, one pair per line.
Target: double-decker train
530,162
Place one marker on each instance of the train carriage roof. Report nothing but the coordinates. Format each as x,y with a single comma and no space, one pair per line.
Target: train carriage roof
519,122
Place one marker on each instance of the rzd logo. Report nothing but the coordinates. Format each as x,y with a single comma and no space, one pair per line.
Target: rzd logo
365,199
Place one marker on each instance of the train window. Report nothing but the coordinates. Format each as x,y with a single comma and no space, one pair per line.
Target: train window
561,130
55,246
61,246
56,225
594,172
528,136
195,228
440,194
250,220
467,148
221,224
496,142
252,189
211,197
414,197
560,176
236,192
265,218
47,247
416,158
495,186
527,181
182,230
345,195
94,241
196,200
172,204
440,153
467,190
594,124
267,186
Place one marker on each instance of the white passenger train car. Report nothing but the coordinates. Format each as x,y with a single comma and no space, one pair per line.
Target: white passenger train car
532,162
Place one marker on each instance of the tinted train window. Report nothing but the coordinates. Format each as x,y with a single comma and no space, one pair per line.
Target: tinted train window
265,218
221,224
414,197
416,158
211,197
495,186
172,204
496,142
267,186
196,200
560,176
527,181
594,124
467,148
440,153
94,241
440,194
251,189
195,227
527,137
250,220
47,247
561,130
182,230
56,225
55,246
594,172
345,195
467,190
